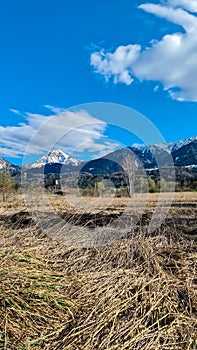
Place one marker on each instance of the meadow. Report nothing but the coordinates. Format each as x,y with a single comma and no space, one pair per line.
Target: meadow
138,291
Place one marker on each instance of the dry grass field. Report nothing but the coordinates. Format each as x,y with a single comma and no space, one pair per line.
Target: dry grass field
138,292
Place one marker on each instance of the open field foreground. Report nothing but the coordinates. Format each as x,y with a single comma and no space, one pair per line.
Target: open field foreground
138,292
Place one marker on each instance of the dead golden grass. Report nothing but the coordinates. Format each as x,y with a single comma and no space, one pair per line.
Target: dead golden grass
149,302
33,299
138,293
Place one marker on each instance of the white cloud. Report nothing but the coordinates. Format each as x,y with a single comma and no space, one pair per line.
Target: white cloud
118,64
171,61
15,111
175,15
55,110
156,88
99,149
190,5
62,129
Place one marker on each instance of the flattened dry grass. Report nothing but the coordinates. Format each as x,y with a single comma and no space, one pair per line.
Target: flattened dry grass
146,302
33,300
137,293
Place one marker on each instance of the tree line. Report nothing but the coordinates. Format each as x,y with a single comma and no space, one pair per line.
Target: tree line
118,184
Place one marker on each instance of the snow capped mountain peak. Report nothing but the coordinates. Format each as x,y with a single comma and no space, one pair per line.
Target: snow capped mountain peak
56,156
4,164
183,153
172,146
182,143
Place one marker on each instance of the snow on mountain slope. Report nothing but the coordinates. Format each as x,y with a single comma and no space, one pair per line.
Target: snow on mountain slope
183,153
174,146
4,164
56,156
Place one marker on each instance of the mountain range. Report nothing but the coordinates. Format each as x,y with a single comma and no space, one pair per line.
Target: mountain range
183,153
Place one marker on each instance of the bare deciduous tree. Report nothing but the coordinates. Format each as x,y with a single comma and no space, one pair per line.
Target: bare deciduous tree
5,184
130,166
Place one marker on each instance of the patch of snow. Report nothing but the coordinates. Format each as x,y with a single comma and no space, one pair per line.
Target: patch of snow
172,146
191,166
4,164
56,156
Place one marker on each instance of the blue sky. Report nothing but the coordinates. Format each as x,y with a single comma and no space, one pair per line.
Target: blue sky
65,53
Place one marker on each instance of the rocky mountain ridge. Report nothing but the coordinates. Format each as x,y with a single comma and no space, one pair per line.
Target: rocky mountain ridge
183,153
55,156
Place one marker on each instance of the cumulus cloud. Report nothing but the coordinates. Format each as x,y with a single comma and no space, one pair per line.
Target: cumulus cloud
118,64
63,129
171,61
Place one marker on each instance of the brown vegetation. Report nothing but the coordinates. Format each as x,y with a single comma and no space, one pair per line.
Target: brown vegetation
138,293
